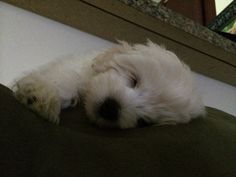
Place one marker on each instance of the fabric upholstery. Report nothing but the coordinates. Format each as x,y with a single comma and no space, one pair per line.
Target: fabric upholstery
31,146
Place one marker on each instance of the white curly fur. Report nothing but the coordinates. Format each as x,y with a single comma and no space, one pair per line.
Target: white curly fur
147,81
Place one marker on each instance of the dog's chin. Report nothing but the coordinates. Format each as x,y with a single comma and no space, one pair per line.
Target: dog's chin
112,125
122,124
104,124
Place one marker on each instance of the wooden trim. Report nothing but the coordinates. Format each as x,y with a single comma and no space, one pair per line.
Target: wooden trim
114,20
189,8
201,11
209,11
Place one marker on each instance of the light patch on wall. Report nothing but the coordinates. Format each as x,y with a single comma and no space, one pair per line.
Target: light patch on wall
221,5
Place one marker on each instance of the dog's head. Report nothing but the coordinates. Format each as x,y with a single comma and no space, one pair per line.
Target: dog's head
141,85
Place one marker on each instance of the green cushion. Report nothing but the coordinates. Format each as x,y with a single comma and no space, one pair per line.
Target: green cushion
30,146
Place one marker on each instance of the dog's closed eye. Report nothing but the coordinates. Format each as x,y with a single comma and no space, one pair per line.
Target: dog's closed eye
133,81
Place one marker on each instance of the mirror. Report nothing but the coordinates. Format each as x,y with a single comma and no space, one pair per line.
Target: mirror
225,21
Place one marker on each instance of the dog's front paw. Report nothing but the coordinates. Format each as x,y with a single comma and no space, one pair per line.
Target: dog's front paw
39,97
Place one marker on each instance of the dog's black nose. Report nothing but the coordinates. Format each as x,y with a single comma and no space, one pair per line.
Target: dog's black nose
109,109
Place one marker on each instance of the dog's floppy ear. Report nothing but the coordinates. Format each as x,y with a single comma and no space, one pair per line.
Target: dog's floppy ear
104,61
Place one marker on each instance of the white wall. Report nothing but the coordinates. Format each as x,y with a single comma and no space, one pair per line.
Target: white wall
28,40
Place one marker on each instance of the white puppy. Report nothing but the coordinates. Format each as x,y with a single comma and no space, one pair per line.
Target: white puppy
124,87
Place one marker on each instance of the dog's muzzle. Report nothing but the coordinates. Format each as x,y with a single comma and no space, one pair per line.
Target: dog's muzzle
109,109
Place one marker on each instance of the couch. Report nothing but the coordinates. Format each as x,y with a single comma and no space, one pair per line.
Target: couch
33,147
